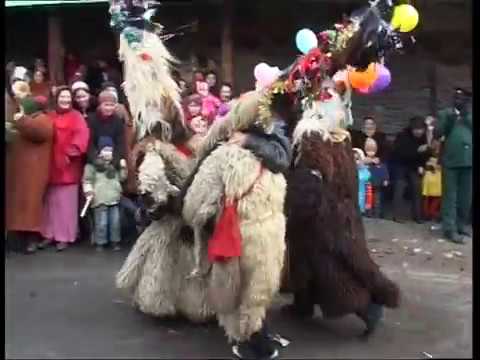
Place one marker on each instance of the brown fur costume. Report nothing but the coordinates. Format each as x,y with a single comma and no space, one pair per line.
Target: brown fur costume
329,259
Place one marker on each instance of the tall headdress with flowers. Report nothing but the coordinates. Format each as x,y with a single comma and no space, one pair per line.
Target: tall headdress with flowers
149,85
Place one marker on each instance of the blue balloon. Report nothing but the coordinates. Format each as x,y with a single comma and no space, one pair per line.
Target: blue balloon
306,40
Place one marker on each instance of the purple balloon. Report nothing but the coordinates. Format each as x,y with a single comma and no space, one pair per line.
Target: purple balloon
383,80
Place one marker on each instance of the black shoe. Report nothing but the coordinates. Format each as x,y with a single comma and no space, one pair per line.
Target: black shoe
259,346
418,221
31,248
278,339
465,232
398,220
371,317
453,237
43,244
116,247
244,350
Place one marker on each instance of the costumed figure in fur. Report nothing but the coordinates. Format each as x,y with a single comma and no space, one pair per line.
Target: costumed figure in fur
330,264
155,273
234,202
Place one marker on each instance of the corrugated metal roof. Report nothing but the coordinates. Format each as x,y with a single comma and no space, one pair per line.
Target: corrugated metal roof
32,3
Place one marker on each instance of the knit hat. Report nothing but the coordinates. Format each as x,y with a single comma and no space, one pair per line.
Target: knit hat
31,105
80,85
107,96
20,73
104,141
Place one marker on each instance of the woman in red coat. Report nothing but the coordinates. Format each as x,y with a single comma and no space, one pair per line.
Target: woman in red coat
71,135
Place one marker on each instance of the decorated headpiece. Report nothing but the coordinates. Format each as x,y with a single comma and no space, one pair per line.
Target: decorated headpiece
349,56
149,85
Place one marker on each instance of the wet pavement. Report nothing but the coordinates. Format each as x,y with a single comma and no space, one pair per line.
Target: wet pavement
65,305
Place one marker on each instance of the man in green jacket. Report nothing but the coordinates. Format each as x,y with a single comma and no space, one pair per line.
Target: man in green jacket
455,125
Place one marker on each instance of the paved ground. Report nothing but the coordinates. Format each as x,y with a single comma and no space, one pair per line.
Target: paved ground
64,305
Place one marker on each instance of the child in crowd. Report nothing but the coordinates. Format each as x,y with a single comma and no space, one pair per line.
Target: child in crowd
211,80
363,178
102,185
432,190
379,177
196,119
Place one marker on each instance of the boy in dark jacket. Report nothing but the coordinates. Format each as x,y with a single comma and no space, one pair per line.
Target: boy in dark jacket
409,155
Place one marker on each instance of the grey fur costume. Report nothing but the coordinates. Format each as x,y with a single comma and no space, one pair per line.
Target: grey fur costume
155,273
228,172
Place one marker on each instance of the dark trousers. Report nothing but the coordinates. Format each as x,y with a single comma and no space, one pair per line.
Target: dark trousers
407,177
457,197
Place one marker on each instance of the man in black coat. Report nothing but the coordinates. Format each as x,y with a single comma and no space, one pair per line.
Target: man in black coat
409,155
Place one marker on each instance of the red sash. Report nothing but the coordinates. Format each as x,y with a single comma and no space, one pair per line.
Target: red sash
226,241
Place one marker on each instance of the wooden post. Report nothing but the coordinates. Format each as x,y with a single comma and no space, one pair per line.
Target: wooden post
227,41
56,50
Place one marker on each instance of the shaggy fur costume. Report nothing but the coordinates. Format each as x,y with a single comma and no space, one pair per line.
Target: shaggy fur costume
329,260
251,281
155,273
229,171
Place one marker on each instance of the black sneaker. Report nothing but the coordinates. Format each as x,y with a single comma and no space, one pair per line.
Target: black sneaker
453,237
245,351
278,339
465,232
116,247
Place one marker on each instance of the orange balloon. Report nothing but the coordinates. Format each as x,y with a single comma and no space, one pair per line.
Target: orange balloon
363,79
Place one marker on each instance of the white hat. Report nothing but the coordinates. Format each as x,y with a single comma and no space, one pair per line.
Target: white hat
80,85
20,73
